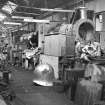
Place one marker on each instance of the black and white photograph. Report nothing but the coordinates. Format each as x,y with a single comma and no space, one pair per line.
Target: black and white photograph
52,52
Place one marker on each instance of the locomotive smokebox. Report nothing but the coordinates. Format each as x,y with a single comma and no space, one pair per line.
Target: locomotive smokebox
83,23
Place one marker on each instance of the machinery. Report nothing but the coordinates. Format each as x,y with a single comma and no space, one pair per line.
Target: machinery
62,44
80,25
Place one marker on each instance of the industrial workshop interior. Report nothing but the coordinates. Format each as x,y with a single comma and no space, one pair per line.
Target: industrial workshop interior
52,52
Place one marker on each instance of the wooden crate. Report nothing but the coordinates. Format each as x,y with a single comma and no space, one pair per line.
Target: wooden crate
59,45
54,45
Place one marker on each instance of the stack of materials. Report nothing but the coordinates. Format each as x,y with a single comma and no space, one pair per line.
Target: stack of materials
88,92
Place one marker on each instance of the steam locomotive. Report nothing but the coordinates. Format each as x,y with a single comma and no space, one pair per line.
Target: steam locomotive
59,47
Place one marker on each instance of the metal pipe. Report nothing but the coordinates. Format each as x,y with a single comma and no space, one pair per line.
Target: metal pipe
27,13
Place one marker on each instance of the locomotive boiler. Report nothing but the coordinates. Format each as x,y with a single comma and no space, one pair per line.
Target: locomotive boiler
63,43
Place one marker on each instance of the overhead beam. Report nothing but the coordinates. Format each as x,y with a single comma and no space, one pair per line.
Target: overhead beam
71,3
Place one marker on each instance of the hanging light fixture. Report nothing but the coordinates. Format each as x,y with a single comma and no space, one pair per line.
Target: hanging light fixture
2,16
55,10
36,21
9,7
21,17
12,23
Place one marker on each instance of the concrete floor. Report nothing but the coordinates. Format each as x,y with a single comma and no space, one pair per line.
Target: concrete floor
29,94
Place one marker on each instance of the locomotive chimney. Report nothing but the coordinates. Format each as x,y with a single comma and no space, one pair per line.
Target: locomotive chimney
83,12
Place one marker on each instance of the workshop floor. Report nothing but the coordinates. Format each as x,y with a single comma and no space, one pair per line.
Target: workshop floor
29,94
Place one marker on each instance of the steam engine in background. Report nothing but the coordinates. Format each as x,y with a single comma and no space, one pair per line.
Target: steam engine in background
62,44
